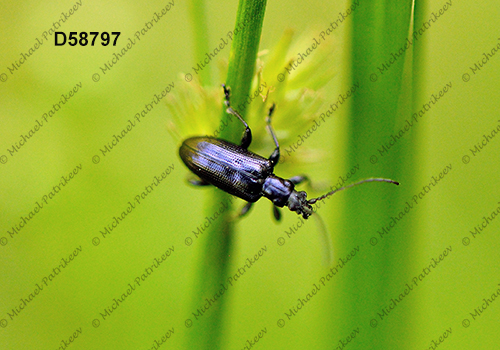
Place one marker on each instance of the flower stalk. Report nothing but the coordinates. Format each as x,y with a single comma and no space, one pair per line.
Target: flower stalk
214,264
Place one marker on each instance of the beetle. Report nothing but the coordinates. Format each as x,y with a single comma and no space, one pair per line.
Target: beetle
244,174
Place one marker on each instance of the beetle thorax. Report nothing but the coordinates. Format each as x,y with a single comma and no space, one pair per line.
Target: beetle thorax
278,190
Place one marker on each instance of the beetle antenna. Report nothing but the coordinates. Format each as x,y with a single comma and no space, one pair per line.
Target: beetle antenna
373,179
326,241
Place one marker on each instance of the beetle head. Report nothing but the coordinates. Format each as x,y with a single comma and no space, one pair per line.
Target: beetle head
298,202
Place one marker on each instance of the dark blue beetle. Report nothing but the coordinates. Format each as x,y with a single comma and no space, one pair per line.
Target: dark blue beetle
236,170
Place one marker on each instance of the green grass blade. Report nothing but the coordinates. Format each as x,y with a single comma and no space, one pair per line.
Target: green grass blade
197,13
379,32
215,261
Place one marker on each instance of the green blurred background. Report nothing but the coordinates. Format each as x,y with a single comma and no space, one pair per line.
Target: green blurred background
445,299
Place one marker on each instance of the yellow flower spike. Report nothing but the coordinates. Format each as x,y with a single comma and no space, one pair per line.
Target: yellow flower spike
195,109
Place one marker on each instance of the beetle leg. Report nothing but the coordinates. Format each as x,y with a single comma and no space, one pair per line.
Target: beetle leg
277,213
246,140
275,156
299,179
245,209
198,182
